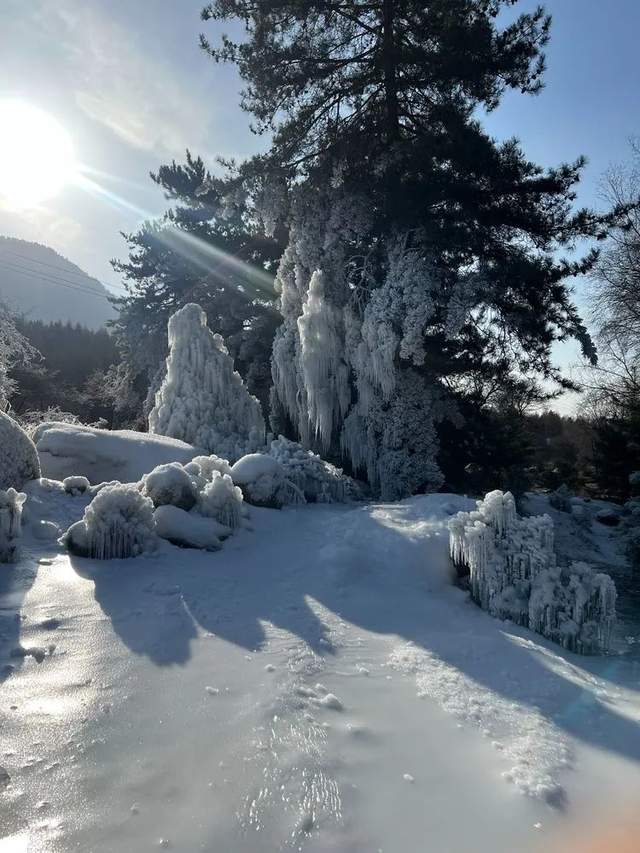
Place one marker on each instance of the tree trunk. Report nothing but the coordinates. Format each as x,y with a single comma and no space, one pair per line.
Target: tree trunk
389,67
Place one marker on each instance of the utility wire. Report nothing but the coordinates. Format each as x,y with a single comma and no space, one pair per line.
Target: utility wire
59,282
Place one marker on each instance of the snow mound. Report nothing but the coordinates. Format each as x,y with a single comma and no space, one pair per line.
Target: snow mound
101,455
170,484
203,400
11,503
118,523
189,530
513,575
18,456
202,468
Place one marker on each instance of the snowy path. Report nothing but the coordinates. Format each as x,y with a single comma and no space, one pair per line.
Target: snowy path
317,685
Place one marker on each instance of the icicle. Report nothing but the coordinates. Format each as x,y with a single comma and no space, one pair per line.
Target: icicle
11,503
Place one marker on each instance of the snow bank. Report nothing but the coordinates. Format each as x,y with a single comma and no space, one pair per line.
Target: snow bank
124,455
189,529
11,503
170,484
203,400
118,523
18,456
513,575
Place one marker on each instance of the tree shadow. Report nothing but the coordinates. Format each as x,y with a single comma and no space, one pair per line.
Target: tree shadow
16,579
380,577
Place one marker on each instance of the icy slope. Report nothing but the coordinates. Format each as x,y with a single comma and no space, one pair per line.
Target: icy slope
317,685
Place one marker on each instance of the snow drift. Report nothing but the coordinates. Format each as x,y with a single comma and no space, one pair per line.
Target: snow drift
72,449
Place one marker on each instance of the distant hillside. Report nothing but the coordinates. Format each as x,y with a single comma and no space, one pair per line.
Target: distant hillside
40,284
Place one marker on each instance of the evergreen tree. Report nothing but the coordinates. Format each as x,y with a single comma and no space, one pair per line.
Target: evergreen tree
208,249
439,247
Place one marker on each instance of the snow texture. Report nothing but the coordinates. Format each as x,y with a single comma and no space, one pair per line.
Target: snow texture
170,484
188,529
513,575
102,455
18,456
117,524
11,503
264,482
202,399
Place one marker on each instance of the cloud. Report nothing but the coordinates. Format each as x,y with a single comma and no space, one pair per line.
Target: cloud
117,82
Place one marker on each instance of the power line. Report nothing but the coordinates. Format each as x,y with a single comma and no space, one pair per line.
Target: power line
69,285
57,267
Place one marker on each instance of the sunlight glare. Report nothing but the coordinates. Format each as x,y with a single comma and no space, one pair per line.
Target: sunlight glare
36,155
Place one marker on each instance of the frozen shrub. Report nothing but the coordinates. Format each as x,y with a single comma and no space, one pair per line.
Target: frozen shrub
170,484
222,500
319,481
202,399
201,468
11,503
19,461
513,575
76,485
263,481
118,523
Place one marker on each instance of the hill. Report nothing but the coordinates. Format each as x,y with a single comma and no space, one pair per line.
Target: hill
39,284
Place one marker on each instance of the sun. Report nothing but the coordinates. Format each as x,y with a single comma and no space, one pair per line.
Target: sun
36,155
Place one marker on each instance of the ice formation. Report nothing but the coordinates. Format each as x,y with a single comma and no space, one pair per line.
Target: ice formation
348,362
118,523
189,529
11,503
203,400
76,485
18,455
513,575
170,484
317,480
221,499
264,482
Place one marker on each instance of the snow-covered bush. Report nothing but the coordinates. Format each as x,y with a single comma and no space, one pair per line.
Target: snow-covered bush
202,399
201,468
189,529
11,503
513,575
118,523
18,455
170,484
319,481
222,500
76,485
264,483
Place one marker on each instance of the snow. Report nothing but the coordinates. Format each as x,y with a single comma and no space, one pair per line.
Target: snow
118,523
222,500
189,529
18,456
115,728
170,484
100,455
10,523
76,485
253,466
202,399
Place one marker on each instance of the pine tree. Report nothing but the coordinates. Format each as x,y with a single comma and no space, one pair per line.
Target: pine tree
439,247
206,249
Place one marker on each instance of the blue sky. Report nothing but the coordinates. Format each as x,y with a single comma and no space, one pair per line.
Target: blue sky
129,82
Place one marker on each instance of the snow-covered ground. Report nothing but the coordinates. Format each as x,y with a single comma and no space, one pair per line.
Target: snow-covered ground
316,685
